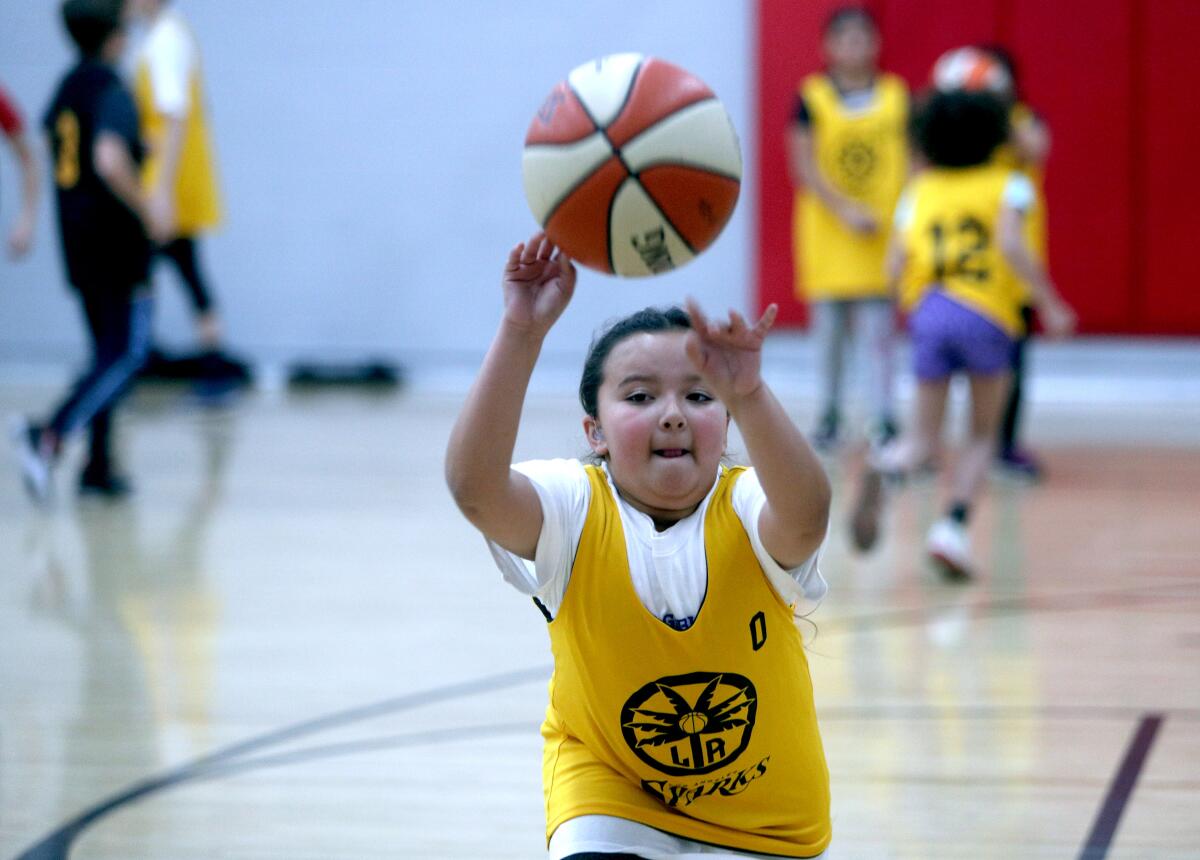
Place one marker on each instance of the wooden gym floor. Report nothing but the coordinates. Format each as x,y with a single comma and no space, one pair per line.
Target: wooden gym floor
289,645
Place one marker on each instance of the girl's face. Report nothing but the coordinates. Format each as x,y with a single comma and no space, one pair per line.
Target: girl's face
661,428
852,47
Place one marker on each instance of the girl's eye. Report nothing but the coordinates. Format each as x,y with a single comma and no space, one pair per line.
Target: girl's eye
700,397
638,397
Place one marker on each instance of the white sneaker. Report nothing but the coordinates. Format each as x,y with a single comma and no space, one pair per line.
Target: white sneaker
949,546
35,466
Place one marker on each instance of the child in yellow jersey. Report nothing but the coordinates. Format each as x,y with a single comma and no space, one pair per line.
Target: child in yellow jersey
180,172
959,247
681,718
848,158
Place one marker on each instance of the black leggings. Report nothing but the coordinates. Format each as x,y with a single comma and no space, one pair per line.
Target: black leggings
119,324
182,253
1012,411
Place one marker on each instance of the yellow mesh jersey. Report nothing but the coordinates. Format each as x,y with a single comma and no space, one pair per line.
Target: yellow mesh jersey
952,241
1035,219
707,733
197,200
864,155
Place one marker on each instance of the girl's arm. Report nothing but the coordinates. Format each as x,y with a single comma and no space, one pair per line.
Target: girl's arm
1032,141
794,520
21,238
498,500
1056,315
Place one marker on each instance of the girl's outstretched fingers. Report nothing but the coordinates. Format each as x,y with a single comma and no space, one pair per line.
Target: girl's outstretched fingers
700,322
767,319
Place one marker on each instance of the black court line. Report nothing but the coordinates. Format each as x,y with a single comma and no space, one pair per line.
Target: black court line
232,759
1105,826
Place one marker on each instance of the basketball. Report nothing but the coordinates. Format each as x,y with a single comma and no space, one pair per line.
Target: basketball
632,166
971,69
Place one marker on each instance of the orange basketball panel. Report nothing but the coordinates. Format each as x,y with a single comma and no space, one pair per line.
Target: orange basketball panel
579,224
560,119
658,91
696,202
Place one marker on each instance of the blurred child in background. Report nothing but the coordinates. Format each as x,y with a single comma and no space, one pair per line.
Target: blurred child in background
103,221
959,247
848,159
180,170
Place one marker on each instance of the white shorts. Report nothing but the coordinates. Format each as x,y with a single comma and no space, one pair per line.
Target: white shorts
611,835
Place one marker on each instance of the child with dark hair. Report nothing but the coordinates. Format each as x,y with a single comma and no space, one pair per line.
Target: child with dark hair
959,247
102,218
681,716
848,158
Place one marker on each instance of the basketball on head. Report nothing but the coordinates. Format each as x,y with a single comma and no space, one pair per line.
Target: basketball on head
632,165
973,70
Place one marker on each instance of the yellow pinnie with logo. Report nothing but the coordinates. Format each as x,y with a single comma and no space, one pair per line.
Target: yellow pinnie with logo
710,732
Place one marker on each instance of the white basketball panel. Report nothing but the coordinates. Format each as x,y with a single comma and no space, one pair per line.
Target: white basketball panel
701,135
603,84
641,240
549,171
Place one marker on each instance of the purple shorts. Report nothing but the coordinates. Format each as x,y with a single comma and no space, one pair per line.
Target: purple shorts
948,337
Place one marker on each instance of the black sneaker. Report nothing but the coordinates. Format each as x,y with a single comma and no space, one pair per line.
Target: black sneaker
1018,463
882,432
825,437
105,484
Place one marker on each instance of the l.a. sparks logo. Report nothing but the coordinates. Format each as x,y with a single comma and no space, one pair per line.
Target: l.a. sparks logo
694,723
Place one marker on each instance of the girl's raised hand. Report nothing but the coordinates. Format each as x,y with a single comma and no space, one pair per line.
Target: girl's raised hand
728,354
538,282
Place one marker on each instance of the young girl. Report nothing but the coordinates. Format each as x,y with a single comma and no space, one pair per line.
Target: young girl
959,247
848,156
681,716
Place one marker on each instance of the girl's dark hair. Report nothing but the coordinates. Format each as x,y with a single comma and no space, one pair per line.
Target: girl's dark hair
91,22
648,319
959,128
845,14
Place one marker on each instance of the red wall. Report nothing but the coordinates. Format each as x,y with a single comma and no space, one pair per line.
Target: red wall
1117,82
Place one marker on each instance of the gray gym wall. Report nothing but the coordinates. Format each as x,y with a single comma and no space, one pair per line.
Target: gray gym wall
369,157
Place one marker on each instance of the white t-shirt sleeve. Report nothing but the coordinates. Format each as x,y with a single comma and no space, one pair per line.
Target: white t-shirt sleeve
170,55
563,489
903,217
802,586
1019,192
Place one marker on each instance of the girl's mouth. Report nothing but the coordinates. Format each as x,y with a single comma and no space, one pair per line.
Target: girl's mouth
671,453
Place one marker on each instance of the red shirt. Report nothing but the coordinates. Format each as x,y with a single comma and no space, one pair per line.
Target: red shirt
10,120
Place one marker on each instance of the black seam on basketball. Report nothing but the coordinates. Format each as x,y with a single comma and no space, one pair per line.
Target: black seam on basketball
633,79
699,168
595,125
666,117
638,179
595,128
604,129
563,199
608,218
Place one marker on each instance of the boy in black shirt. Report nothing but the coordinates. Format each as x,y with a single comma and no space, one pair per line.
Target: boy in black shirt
102,218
